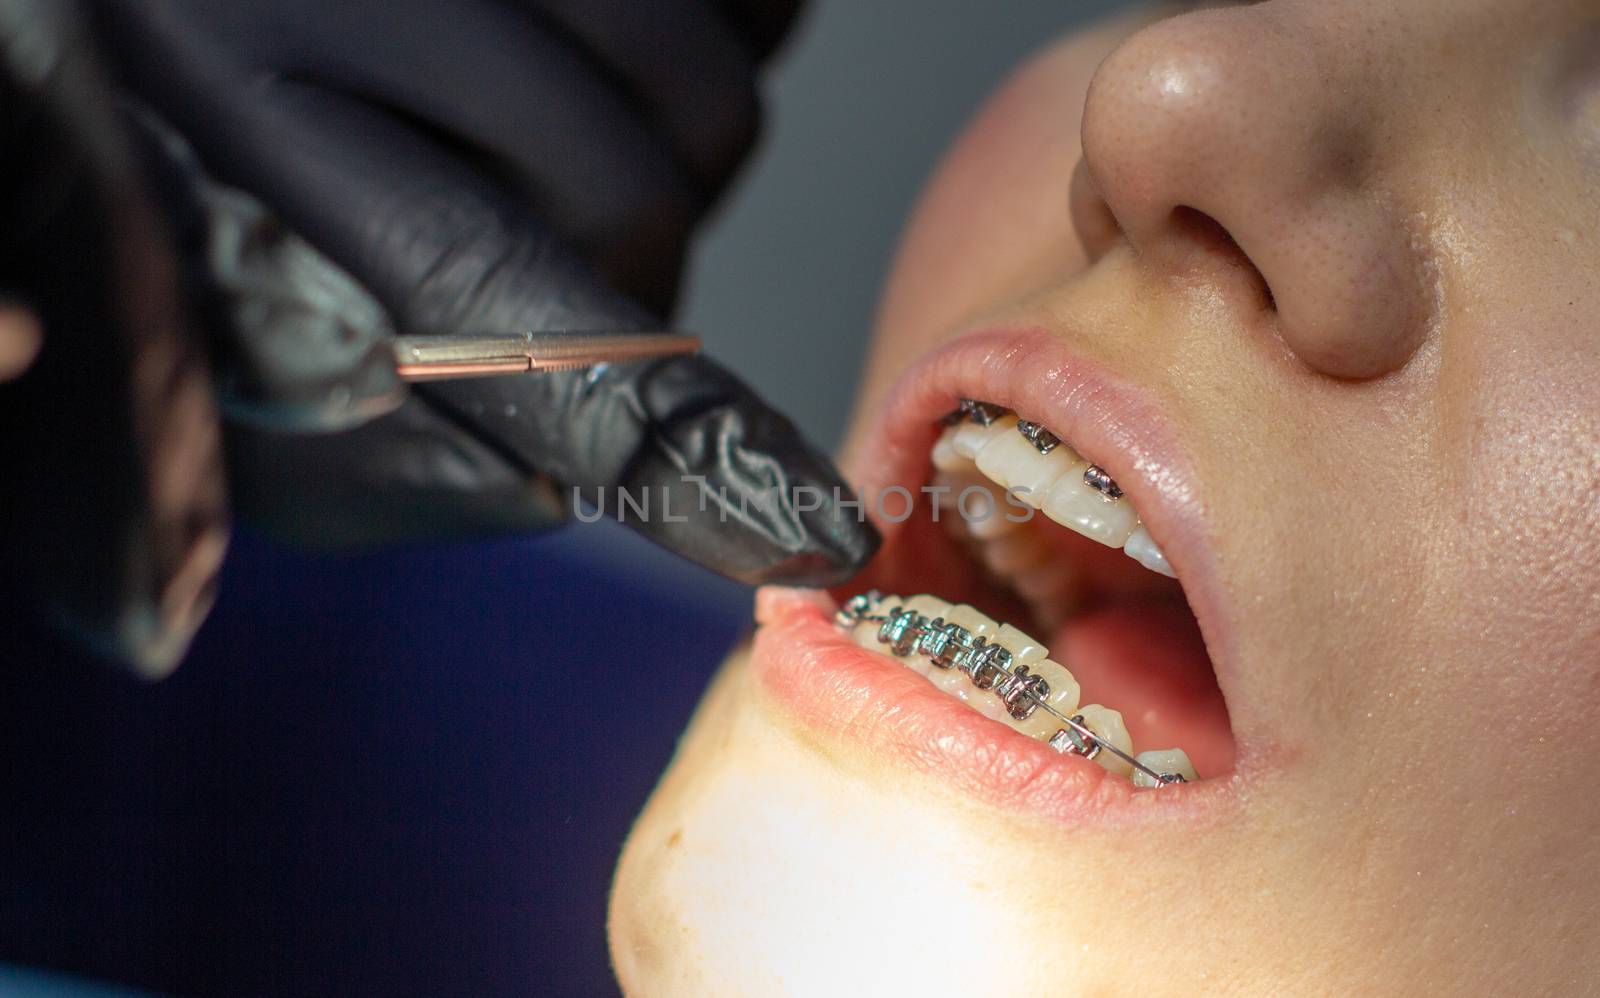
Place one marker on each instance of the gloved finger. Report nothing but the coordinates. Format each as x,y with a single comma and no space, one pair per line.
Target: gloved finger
763,24
308,362
445,251
687,69
655,425
307,347
308,365
112,493
588,164
485,267
440,245
725,480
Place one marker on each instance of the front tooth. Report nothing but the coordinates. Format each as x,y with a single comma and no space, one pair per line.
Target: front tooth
1108,727
1054,589
1024,649
1008,555
970,437
1025,653
1074,504
947,487
1003,517
1039,584
954,680
982,514
974,621
945,456
1063,696
1164,761
1013,462
1142,549
933,608
927,605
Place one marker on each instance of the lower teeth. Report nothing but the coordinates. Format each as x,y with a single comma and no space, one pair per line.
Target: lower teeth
1008,678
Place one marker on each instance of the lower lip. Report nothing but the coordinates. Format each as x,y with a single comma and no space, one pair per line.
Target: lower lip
875,709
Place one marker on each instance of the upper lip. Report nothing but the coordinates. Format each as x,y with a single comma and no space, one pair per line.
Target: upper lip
1107,419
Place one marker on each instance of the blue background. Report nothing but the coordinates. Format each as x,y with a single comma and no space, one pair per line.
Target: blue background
397,774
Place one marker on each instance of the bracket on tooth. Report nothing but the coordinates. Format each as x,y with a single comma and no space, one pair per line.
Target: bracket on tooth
1021,692
1042,439
857,608
902,630
1070,741
987,665
1096,478
982,413
1078,738
946,644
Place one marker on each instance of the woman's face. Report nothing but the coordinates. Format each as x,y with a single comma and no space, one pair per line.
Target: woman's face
1315,282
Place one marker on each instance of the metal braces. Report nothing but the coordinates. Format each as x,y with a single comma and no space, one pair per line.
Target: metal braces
982,413
1096,478
985,413
1042,439
989,667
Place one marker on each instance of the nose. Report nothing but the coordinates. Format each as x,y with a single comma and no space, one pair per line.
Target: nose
1225,143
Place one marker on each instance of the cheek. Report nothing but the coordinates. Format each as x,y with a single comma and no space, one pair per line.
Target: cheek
1514,676
1576,95
1532,536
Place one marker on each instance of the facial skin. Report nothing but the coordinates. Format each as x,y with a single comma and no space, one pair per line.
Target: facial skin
1385,376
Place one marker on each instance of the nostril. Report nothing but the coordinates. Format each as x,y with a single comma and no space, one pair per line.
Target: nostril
1223,158
1200,231
1207,232
1092,219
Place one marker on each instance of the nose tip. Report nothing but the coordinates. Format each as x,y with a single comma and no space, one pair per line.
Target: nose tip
1231,117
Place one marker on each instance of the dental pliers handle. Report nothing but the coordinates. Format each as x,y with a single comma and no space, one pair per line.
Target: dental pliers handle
436,358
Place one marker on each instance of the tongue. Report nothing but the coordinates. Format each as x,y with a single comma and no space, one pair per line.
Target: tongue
1147,660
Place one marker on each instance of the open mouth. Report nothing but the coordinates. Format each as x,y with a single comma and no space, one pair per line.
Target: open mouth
1042,568
1039,519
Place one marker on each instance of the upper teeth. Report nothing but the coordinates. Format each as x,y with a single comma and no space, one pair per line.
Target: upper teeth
1045,473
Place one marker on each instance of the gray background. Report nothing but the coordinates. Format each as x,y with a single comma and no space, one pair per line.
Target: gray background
863,102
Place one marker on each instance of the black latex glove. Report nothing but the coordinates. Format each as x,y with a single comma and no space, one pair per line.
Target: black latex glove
111,478
476,166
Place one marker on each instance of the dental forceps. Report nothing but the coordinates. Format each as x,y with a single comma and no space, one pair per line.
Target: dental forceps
438,358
